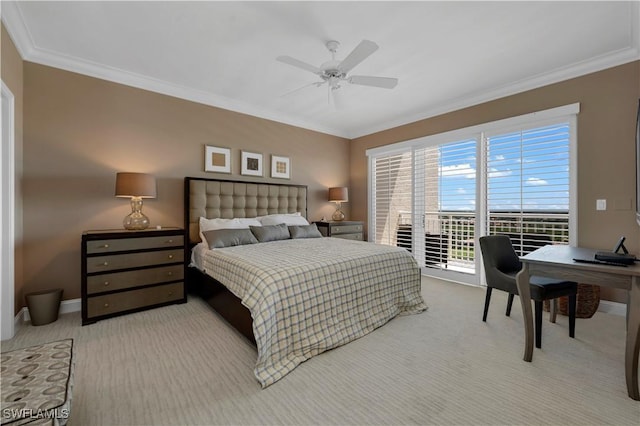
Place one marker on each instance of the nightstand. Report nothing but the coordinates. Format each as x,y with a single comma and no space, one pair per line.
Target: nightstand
347,229
129,271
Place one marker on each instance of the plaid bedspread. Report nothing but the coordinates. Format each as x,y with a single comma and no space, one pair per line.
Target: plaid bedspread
310,295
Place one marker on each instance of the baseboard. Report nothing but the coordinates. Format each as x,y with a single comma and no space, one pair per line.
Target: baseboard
613,308
66,306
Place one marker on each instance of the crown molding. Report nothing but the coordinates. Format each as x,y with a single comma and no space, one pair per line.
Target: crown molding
14,23
597,64
620,57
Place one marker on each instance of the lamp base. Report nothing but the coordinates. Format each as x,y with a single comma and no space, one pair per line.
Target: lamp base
337,216
136,221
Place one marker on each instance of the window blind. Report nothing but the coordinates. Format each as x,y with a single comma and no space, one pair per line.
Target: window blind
445,178
528,186
436,195
392,186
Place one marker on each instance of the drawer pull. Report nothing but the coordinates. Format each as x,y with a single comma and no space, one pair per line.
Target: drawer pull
105,264
170,256
106,283
169,273
105,246
169,241
106,305
171,293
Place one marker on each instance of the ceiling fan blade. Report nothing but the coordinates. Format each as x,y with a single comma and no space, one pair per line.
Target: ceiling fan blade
315,83
299,64
357,55
383,82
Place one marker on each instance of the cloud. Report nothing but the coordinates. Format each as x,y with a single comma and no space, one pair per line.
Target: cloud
495,173
536,181
462,170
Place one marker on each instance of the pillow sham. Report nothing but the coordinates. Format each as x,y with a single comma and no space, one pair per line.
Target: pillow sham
304,231
235,223
287,219
220,238
267,233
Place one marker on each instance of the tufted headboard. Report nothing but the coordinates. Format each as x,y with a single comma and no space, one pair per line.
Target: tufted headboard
215,198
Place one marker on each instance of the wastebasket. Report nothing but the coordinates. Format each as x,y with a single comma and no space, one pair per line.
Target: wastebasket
44,306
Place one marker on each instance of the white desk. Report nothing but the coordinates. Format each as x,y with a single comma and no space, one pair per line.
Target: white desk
556,261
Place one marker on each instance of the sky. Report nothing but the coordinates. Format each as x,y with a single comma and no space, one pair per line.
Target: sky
528,171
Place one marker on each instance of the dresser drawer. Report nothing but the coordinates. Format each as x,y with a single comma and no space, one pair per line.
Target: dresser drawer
123,244
117,302
133,260
349,236
345,229
123,280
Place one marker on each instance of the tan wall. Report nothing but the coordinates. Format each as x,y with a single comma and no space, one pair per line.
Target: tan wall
606,149
12,75
79,131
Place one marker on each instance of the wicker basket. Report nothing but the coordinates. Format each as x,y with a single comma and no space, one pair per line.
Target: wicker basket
587,301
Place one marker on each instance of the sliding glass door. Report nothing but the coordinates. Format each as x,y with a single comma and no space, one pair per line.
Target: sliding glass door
435,196
445,205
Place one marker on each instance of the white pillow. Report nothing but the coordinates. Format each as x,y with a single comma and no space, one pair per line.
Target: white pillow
248,221
287,219
235,223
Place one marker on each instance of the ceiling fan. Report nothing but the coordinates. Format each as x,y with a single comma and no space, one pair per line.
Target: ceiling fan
334,72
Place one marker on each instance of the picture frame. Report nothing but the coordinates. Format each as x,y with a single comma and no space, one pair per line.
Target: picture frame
217,159
251,164
280,167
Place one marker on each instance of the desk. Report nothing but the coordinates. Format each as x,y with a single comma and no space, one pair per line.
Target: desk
556,261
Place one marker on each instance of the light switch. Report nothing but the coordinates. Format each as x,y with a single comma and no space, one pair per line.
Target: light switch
601,204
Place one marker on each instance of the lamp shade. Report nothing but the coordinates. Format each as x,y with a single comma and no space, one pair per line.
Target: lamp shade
135,185
339,194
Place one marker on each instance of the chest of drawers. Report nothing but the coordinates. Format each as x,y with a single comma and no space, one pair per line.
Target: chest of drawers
347,229
129,271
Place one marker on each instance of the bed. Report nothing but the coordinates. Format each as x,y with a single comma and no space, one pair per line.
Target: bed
295,297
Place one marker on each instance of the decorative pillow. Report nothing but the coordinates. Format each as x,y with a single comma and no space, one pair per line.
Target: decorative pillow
219,238
304,231
287,219
266,233
235,223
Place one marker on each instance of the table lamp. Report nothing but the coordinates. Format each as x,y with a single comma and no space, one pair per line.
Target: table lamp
338,195
136,186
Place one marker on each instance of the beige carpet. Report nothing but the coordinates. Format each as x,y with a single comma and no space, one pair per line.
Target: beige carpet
183,365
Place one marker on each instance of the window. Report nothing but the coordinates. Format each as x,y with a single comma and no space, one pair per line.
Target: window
528,186
436,195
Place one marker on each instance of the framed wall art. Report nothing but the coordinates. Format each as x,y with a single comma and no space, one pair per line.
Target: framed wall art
251,164
217,159
280,167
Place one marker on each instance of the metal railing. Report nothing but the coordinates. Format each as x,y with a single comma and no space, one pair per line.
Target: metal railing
450,236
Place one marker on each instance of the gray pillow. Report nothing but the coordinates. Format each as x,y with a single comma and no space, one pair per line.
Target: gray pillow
219,238
304,231
271,232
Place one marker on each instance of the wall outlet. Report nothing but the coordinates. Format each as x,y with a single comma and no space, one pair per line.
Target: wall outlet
601,204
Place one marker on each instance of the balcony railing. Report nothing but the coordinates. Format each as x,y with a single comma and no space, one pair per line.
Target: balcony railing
450,236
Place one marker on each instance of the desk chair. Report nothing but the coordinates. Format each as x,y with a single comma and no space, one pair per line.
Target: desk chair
501,264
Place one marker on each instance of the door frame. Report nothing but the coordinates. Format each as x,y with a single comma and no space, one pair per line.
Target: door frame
7,213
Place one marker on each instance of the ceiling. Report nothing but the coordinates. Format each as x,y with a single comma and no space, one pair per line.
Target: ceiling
446,55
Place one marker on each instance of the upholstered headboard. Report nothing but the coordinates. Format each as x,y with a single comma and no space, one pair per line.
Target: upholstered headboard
215,198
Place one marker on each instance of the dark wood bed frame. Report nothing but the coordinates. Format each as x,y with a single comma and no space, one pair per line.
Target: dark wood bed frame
223,301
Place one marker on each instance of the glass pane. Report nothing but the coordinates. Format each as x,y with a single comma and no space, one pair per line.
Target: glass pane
528,186
446,200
